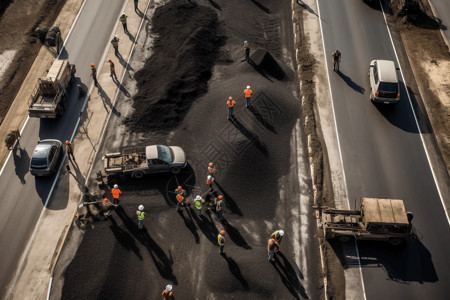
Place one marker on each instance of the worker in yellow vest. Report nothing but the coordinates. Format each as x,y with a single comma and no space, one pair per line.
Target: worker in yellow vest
221,241
141,215
115,44
123,19
198,201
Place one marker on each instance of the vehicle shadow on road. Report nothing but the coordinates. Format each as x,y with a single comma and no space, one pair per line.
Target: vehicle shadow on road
124,238
236,271
229,202
207,227
260,119
235,235
250,135
107,101
21,163
356,87
189,222
162,262
288,276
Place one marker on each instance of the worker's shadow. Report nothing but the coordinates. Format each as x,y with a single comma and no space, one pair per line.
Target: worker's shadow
207,227
356,87
125,239
160,259
189,222
250,135
122,88
107,101
229,202
236,271
260,118
235,235
77,175
130,36
21,163
289,276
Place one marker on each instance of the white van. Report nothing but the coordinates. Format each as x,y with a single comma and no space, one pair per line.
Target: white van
384,87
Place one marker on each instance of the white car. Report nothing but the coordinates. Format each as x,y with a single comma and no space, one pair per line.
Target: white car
384,87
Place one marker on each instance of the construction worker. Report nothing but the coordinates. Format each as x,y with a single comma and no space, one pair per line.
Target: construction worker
277,235
221,241
198,202
112,69
211,169
94,74
179,191
336,55
219,207
167,293
115,44
272,246
181,202
141,215
116,193
248,95
107,207
69,150
209,181
247,51
123,19
230,104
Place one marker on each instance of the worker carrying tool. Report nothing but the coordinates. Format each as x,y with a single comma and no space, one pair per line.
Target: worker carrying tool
116,193
94,74
221,241
107,207
141,215
123,19
248,95
277,235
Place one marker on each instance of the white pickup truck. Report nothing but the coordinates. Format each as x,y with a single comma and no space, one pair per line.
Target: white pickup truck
139,161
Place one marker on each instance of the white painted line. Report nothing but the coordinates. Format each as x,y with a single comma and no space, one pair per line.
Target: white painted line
71,28
415,118
337,133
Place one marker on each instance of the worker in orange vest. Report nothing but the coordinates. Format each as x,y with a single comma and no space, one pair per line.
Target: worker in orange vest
248,95
69,150
209,181
94,74
167,293
230,104
107,207
272,246
179,191
116,193
211,169
181,202
112,69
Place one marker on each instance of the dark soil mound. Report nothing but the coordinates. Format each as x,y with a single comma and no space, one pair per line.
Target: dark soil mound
188,43
266,63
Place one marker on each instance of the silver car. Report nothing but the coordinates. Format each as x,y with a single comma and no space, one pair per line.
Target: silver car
45,158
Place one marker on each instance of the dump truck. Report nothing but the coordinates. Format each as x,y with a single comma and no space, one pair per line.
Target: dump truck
49,97
141,160
379,219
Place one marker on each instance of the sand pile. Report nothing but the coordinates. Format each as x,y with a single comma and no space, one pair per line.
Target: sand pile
184,53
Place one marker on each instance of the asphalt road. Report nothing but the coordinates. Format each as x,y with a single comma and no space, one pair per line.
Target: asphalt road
441,9
383,156
262,173
24,196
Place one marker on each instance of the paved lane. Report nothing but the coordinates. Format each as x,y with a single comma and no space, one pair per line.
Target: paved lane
441,9
23,196
383,156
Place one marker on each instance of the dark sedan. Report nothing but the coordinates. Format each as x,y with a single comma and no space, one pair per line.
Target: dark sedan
46,155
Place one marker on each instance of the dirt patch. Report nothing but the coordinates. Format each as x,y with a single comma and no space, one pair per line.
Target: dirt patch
18,19
430,60
178,71
322,174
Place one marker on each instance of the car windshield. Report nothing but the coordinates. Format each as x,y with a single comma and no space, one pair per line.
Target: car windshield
388,87
40,155
164,153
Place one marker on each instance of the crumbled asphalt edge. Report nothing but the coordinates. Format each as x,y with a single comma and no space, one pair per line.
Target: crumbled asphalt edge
321,171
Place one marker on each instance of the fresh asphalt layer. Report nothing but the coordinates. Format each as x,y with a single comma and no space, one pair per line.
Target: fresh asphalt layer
383,156
23,195
262,173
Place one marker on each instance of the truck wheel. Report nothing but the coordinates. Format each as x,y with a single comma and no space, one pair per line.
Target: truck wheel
396,241
175,170
344,238
138,175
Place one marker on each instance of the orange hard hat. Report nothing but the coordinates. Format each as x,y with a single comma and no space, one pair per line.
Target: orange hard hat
220,197
222,232
109,60
231,98
210,164
67,142
179,187
92,65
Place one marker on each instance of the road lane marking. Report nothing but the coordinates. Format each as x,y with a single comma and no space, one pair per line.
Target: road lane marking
415,118
338,142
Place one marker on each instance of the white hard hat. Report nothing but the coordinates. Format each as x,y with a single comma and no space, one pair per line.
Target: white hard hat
281,232
198,197
245,42
116,186
209,177
169,287
248,86
115,36
141,207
